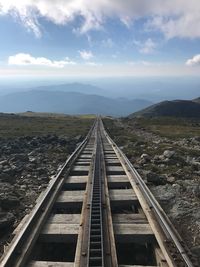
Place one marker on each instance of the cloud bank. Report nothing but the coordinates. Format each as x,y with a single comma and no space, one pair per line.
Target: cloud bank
174,18
22,59
195,61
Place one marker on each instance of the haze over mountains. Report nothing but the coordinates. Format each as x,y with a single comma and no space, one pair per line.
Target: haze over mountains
69,103
84,98
154,89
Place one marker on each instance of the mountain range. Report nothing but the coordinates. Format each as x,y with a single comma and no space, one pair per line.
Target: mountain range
76,87
69,102
154,89
78,98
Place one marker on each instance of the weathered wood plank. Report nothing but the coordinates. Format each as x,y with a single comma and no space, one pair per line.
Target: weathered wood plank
110,161
117,178
78,168
118,181
114,170
75,182
109,152
77,179
70,199
122,195
132,229
64,219
133,233
85,156
82,163
128,218
109,156
83,160
50,264
54,232
71,196
59,231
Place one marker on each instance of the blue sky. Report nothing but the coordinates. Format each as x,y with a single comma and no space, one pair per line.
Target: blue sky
99,38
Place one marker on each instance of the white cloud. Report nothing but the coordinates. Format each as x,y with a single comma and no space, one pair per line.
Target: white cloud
174,18
187,26
147,47
22,59
94,64
195,61
86,55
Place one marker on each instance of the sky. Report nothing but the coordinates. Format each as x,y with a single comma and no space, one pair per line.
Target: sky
99,38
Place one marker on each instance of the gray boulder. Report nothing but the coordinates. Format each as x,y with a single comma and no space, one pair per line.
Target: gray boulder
145,157
156,179
180,209
168,153
165,193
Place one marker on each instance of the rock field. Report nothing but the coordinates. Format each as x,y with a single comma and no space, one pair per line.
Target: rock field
26,166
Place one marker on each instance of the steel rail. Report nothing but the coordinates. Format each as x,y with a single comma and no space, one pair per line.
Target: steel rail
165,222
39,213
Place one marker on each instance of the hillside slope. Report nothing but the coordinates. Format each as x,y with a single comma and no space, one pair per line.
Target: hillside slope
176,108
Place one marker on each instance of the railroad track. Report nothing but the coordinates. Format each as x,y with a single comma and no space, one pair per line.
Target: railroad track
97,212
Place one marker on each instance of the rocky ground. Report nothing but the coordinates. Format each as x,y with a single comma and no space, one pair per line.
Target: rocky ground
26,166
171,168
